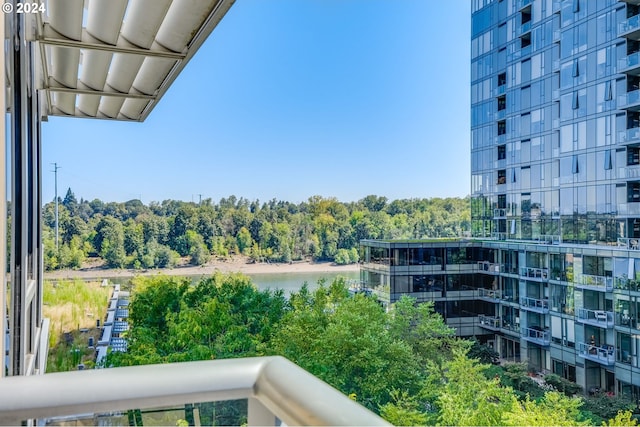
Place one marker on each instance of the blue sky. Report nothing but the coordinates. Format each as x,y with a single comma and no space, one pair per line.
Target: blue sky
289,99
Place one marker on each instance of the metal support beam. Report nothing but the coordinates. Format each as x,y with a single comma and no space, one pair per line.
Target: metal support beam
3,210
26,176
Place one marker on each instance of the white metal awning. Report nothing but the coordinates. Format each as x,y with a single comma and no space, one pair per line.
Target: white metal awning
114,59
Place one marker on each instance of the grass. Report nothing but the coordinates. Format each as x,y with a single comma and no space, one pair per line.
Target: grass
73,307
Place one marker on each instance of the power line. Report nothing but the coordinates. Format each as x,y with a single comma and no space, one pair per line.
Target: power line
55,171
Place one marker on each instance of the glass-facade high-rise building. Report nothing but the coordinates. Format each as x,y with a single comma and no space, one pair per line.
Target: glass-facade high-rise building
553,148
551,275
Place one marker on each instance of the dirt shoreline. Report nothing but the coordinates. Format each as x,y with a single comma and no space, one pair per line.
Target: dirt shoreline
226,266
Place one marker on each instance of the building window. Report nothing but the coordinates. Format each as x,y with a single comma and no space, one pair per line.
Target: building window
576,69
502,102
575,104
608,164
502,79
502,201
502,176
633,192
633,156
608,92
576,6
574,166
502,127
502,152
525,41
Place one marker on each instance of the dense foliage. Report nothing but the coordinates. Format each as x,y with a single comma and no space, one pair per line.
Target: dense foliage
135,235
404,364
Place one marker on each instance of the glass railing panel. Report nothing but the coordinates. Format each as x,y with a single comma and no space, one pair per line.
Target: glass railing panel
628,25
629,61
534,304
489,294
604,355
595,317
628,99
534,272
535,335
490,322
598,283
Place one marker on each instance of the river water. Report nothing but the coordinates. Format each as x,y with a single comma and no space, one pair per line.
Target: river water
289,282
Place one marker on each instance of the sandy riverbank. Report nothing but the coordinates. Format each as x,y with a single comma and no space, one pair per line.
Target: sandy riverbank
236,264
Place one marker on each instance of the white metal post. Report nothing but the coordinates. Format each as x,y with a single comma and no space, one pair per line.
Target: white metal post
3,209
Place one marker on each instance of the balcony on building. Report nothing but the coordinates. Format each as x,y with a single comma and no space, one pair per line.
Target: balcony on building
631,169
534,304
490,267
600,318
524,4
501,85
536,335
630,64
625,356
630,28
492,323
595,283
511,327
525,18
489,295
534,273
630,100
624,284
275,389
500,212
626,319
632,134
603,355
633,191
497,235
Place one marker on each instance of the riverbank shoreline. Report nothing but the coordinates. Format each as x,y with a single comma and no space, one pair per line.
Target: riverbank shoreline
233,265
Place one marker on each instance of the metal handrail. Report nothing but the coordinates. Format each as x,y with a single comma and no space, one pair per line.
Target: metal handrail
274,386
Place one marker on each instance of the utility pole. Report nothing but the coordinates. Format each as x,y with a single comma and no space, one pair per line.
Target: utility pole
55,171
200,202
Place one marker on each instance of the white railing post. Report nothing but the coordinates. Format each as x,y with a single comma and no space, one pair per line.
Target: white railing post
258,414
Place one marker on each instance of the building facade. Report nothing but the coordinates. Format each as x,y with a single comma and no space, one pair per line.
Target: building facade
551,275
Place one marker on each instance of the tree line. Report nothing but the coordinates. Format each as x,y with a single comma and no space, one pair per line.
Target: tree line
405,364
135,235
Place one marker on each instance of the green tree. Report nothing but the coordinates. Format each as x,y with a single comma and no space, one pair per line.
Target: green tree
245,241
554,409
403,410
467,397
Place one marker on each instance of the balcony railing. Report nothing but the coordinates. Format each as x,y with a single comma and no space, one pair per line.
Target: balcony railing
626,284
489,267
629,99
525,28
535,336
523,3
500,213
601,318
489,295
629,62
535,305
499,235
488,322
596,283
534,273
629,26
629,243
631,172
629,136
274,387
603,355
